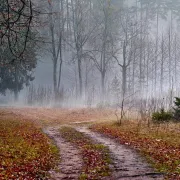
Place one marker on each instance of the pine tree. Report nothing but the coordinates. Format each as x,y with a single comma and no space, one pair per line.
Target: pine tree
13,76
177,109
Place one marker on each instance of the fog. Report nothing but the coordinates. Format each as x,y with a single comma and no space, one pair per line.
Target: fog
101,53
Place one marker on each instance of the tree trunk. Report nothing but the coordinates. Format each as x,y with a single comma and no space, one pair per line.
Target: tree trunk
55,79
102,85
175,68
157,43
16,85
61,43
53,51
80,75
162,65
141,50
170,63
16,95
124,81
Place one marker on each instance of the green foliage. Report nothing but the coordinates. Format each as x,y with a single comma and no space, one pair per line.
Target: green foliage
162,116
14,75
176,113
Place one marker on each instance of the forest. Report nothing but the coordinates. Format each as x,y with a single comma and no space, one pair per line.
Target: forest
89,89
99,53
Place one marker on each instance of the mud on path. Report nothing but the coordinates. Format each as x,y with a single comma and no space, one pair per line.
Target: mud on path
127,164
70,162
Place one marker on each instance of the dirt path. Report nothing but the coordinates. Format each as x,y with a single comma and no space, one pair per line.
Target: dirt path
71,162
127,163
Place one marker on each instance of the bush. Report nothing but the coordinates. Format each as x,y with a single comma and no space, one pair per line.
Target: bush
162,116
176,112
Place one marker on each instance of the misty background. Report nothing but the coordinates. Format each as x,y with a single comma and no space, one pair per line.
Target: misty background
102,53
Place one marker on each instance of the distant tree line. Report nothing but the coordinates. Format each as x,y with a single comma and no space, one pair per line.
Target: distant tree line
111,47
99,36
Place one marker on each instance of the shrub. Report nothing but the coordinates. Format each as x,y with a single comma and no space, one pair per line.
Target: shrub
162,116
176,112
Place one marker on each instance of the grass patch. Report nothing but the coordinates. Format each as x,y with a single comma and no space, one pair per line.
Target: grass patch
95,156
159,143
25,152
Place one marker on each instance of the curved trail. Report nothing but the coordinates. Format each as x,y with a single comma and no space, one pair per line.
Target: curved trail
71,162
127,163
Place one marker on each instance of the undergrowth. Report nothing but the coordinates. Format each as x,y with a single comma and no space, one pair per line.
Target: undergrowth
95,156
159,143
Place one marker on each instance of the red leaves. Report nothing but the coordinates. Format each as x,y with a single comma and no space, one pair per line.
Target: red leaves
25,152
162,153
95,156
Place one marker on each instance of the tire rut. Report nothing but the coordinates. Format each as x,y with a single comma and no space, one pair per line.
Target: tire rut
70,165
127,163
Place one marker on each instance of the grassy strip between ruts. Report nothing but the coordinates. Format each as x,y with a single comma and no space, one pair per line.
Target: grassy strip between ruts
25,152
160,144
96,157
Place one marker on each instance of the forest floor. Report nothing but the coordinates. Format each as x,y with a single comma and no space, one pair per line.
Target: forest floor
98,152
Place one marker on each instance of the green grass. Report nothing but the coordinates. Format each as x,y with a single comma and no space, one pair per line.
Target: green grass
96,157
25,152
160,144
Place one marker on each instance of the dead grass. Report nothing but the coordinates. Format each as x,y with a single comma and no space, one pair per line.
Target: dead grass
43,117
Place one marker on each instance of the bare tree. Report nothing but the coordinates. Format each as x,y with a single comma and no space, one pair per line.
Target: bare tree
56,25
128,44
102,41
15,25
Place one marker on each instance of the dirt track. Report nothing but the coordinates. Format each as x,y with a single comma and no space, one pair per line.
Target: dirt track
127,163
71,161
